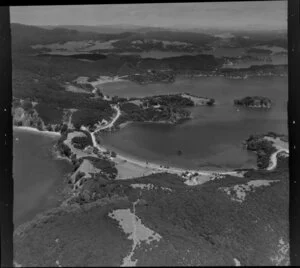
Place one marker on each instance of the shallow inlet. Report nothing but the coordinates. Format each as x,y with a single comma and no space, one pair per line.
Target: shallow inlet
213,138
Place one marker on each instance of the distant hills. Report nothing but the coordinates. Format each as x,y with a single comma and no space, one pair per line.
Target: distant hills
108,29
23,36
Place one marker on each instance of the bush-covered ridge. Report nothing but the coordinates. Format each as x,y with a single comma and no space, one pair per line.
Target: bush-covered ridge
249,232
263,147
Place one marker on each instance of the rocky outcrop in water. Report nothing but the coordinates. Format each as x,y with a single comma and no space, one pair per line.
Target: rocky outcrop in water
254,102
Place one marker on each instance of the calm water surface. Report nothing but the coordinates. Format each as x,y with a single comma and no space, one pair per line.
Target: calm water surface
213,138
37,174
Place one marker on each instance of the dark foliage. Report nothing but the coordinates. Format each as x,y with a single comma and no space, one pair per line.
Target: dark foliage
264,149
89,117
106,166
49,113
93,57
81,142
27,105
169,100
251,101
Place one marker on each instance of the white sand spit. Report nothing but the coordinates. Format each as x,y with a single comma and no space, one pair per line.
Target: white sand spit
31,129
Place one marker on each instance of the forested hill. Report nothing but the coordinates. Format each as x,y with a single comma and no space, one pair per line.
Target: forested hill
23,36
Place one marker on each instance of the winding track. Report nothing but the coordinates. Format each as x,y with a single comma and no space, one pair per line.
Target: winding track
273,158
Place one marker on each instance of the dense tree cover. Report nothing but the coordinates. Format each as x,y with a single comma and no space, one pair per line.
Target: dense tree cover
247,231
61,147
252,101
93,57
170,113
262,147
235,232
211,102
81,142
64,149
116,99
169,100
42,80
27,105
16,102
49,113
90,117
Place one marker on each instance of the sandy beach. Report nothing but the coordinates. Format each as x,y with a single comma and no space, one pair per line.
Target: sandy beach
32,129
129,168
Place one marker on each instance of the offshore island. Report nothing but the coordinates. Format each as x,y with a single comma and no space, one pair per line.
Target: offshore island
121,210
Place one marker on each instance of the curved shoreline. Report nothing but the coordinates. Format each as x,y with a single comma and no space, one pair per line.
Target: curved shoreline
32,129
273,159
160,168
151,167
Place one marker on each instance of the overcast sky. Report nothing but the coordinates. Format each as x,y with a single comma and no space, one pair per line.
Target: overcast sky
258,14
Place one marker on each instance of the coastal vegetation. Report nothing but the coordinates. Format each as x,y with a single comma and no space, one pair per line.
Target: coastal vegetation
176,100
224,215
254,102
81,142
133,112
107,167
263,147
90,117
49,113
92,57
251,224
153,76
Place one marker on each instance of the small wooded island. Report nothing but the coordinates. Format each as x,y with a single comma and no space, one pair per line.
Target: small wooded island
254,102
